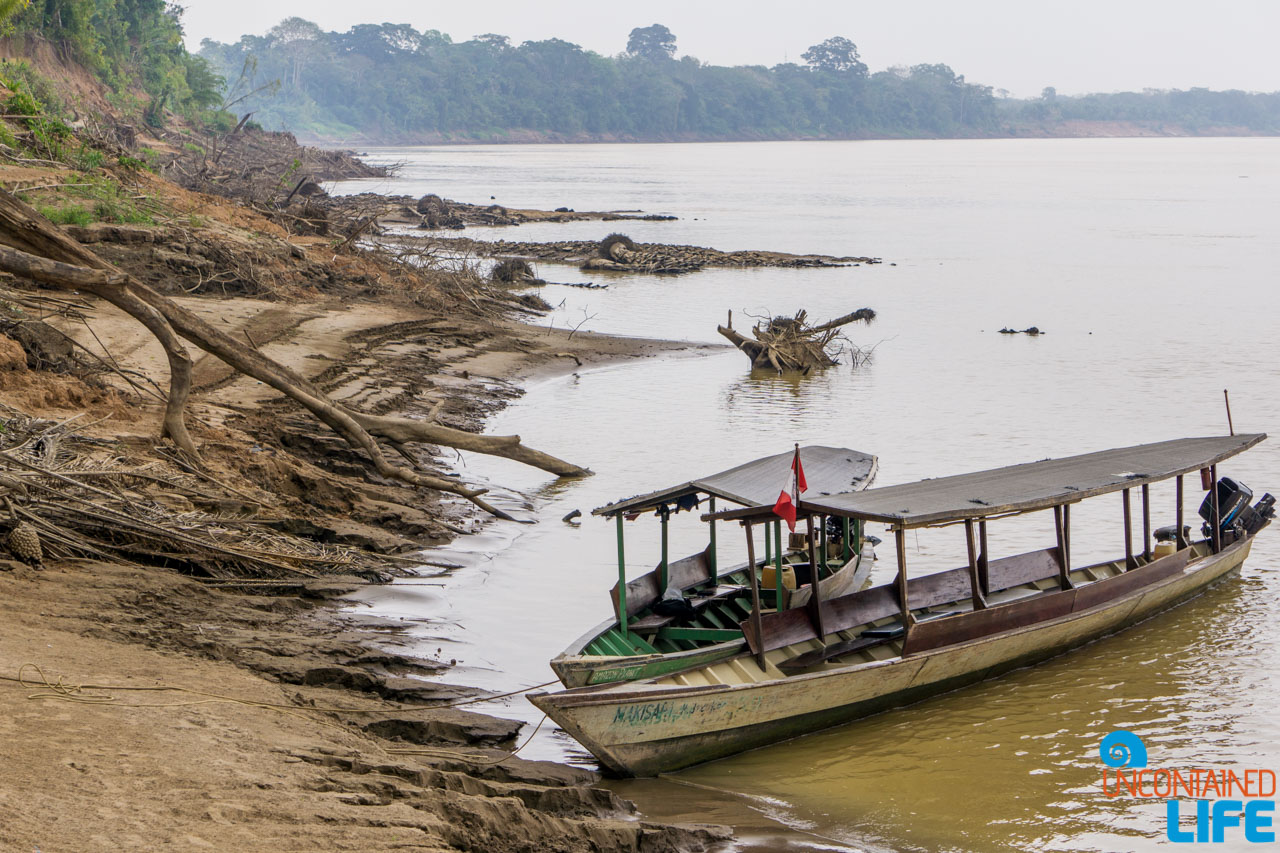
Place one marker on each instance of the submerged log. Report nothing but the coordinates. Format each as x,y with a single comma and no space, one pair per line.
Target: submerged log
789,344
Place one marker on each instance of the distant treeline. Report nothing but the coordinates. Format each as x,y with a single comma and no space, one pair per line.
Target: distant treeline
393,83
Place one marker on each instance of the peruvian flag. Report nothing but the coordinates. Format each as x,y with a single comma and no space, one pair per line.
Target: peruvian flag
789,498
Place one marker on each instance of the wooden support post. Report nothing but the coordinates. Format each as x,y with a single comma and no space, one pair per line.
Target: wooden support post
846,540
1217,510
622,580
1146,522
768,543
1181,540
975,583
713,564
755,588
777,559
815,604
1129,562
823,539
984,558
662,567
904,607
1064,569
1066,536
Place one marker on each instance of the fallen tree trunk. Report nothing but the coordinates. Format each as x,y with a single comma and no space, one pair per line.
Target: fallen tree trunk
44,253
789,344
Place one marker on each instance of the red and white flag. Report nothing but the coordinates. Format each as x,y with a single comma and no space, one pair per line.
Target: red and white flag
789,498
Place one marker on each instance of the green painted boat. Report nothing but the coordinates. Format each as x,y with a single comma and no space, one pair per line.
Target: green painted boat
641,642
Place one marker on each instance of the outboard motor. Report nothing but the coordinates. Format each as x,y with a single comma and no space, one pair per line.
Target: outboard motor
1232,497
1259,515
1234,510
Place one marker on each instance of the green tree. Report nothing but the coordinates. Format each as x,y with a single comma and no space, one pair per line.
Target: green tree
654,43
835,54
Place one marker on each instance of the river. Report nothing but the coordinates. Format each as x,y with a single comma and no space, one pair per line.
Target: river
1149,264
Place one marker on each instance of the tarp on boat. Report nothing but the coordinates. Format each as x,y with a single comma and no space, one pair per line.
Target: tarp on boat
1031,486
828,470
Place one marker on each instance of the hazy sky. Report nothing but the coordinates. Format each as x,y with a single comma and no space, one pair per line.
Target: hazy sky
1019,45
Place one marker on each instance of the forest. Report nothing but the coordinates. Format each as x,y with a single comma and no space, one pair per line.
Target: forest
129,44
394,83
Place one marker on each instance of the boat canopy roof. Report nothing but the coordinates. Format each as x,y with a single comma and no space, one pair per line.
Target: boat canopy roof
1023,488
828,471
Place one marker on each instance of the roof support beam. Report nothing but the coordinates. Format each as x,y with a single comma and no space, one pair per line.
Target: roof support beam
1064,565
1129,561
755,585
904,607
975,582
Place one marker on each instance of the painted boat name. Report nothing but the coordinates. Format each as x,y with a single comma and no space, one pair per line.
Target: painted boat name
663,712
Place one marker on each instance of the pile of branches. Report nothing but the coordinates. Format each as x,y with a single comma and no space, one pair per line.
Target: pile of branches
85,500
790,344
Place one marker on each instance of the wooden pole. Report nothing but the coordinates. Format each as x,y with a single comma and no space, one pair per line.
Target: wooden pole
768,543
713,562
777,559
815,604
975,583
1064,570
983,560
1066,536
1181,540
1146,521
662,567
846,539
1226,399
1217,510
1129,562
622,579
823,539
900,541
755,589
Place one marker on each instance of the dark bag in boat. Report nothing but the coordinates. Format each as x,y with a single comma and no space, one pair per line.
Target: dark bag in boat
674,605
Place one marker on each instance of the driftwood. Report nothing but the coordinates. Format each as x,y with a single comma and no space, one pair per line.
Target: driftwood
789,344
84,500
36,249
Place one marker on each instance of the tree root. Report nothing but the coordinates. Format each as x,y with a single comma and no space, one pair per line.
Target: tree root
43,253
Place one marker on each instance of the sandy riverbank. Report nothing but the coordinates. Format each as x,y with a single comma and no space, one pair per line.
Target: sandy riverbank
262,765
109,769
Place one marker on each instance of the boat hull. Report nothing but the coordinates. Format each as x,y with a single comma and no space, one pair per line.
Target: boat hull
644,729
575,669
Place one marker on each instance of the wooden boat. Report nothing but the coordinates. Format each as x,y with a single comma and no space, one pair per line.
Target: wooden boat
638,642
809,668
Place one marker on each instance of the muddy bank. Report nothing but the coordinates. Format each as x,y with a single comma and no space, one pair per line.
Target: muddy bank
223,758
284,756
640,257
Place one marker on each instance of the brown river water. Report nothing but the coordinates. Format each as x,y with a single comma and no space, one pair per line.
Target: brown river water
1150,265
